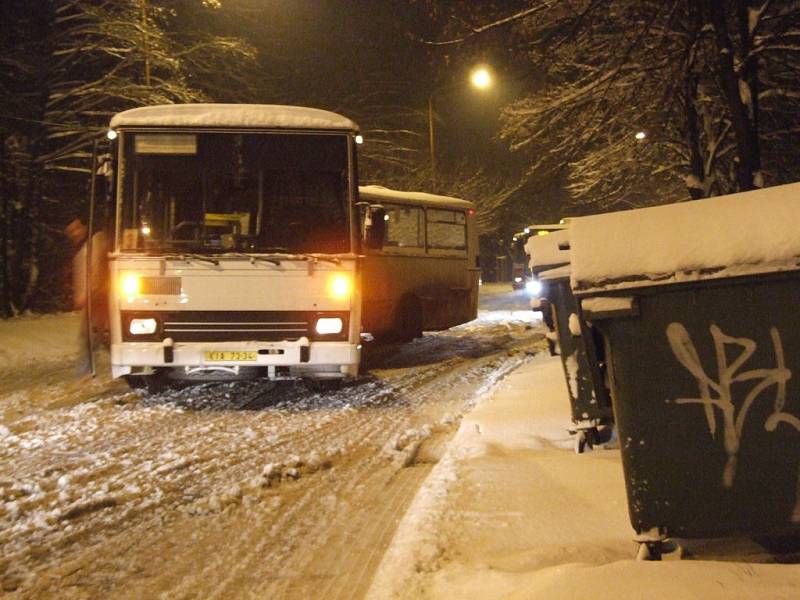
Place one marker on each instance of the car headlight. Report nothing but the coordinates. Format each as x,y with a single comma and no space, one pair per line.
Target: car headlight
517,279
143,326
340,286
534,287
130,285
329,325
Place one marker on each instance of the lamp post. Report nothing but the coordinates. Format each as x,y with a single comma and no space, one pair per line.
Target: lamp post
480,78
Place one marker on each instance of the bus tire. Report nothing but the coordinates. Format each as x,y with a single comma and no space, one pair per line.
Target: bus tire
321,386
151,384
410,319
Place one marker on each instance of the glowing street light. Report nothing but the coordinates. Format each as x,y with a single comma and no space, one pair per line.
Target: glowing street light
480,78
640,135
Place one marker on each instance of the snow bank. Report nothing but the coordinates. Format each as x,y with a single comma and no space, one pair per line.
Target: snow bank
544,250
624,580
39,338
750,232
512,512
232,115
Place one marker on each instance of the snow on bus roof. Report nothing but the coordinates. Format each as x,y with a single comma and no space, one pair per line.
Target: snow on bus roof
232,115
380,193
739,234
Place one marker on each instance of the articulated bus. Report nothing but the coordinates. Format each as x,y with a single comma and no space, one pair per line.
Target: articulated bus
424,275
242,248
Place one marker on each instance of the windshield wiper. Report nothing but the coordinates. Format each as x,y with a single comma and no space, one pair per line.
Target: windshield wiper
315,258
255,258
197,257
289,255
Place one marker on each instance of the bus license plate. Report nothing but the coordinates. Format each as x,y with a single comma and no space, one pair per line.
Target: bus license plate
230,355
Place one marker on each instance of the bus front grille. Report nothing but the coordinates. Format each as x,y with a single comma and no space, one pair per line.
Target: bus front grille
231,326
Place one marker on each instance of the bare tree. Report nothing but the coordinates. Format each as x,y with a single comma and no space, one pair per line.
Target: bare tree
710,87
69,65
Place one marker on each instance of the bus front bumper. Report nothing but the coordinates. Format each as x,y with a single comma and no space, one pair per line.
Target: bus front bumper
287,359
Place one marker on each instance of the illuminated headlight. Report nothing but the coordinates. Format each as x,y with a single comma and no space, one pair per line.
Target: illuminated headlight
329,325
517,279
130,285
142,326
340,286
534,287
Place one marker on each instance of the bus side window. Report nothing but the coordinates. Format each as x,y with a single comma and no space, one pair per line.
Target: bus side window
403,227
447,230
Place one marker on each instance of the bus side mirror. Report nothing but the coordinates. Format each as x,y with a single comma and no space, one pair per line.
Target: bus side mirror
374,226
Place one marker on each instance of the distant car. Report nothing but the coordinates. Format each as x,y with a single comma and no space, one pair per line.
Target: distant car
520,273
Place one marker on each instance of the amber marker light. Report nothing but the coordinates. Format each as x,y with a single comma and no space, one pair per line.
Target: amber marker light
340,286
130,285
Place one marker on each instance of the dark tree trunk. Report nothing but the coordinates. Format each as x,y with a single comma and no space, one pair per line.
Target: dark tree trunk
5,206
746,150
749,74
696,164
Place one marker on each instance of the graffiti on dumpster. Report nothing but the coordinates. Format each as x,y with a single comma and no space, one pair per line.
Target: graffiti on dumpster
718,394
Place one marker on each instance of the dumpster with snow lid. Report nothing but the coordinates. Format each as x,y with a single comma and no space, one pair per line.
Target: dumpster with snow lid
546,252
581,355
698,304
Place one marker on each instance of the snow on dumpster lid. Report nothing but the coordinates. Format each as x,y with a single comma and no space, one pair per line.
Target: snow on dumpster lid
232,115
561,272
378,193
544,251
740,234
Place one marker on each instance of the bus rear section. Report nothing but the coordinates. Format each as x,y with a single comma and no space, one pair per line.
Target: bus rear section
235,244
424,274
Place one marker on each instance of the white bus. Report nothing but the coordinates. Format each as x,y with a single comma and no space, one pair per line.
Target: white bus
241,247
424,275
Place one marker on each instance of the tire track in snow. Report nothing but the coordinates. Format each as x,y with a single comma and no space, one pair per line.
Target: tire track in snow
392,409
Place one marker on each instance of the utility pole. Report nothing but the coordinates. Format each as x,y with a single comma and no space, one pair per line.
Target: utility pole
145,43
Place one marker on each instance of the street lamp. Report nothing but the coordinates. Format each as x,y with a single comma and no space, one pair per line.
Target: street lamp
480,78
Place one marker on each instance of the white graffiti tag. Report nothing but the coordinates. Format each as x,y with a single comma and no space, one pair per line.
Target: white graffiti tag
718,394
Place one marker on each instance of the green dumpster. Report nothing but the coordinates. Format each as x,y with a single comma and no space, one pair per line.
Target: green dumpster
581,355
697,303
545,253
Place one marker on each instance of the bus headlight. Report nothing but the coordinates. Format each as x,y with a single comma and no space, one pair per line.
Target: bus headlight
143,326
534,287
340,286
130,285
329,325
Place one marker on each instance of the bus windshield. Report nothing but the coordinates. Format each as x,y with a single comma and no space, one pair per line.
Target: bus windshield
216,192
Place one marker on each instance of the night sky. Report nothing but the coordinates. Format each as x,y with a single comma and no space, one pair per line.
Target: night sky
339,54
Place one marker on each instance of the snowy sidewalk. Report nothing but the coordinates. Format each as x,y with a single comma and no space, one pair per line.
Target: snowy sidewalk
511,511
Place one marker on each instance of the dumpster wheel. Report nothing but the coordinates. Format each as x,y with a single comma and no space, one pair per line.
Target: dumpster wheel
650,550
584,441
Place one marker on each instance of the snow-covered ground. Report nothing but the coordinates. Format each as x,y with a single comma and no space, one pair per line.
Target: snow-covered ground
106,493
445,472
512,512
38,338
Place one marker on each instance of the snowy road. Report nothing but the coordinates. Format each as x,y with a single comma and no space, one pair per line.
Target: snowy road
231,491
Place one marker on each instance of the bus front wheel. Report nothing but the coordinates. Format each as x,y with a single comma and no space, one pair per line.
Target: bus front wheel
152,384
